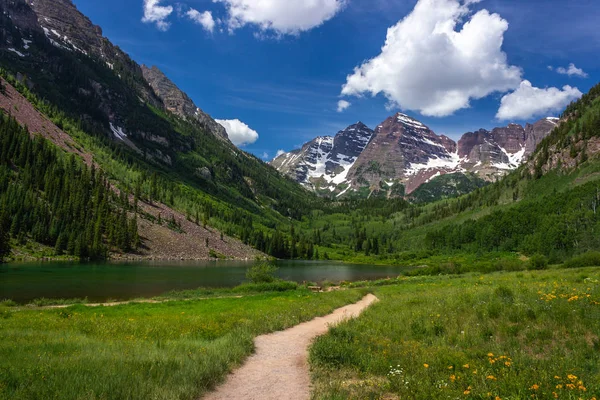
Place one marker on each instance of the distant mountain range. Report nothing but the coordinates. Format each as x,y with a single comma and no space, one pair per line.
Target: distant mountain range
402,154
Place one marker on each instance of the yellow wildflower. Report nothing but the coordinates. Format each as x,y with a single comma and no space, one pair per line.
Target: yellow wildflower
426,365
491,378
535,386
466,366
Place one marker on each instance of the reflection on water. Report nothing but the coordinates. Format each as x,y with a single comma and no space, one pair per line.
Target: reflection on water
122,281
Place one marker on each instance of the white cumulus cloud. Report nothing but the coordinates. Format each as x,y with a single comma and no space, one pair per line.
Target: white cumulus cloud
157,14
202,18
281,16
343,105
427,65
528,101
572,70
239,133
279,153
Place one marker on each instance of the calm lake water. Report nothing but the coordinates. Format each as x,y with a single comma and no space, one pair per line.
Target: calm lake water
122,281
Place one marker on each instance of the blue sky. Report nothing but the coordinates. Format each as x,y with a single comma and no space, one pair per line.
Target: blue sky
279,65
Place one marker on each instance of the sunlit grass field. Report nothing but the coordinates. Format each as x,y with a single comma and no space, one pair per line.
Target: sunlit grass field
505,335
173,350
519,335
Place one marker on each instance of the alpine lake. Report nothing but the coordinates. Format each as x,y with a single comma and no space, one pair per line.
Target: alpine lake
99,282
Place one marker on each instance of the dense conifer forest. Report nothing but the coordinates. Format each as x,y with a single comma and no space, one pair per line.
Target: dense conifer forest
54,199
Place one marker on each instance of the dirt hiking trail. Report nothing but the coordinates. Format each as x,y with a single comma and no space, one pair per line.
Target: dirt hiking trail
279,367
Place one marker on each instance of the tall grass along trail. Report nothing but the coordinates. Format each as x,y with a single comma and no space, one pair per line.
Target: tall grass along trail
279,369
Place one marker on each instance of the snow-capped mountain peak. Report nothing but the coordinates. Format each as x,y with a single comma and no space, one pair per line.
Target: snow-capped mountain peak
324,162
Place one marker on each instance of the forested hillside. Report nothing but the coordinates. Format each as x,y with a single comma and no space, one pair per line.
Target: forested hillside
56,200
142,148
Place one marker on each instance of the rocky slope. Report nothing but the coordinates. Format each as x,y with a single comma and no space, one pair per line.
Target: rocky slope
179,103
402,154
67,28
324,163
490,154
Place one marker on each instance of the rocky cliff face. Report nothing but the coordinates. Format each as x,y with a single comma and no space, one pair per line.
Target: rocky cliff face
402,154
324,163
491,154
179,103
59,23
400,150
67,28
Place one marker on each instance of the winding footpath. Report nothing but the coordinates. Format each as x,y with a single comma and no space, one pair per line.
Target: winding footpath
279,367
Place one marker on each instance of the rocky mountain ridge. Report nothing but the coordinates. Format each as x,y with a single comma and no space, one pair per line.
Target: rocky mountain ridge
324,163
66,28
179,103
403,153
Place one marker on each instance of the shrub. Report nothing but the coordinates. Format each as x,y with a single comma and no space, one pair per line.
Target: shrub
278,286
591,259
261,272
538,262
509,265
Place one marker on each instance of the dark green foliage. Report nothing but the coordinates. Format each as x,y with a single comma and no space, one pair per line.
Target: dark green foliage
538,262
4,244
261,272
590,259
447,186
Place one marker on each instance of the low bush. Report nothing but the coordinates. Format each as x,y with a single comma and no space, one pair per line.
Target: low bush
538,262
591,259
261,272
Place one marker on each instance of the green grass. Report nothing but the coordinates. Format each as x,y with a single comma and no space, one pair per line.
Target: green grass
173,350
517,335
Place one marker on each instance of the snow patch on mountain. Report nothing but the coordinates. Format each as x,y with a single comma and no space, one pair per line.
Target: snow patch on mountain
450,163
17,52
118,132
324,162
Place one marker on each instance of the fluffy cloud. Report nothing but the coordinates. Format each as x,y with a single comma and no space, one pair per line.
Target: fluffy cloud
343,105
156,14
279,153
527,101
428,65
239,133
205,19
281,16
572,70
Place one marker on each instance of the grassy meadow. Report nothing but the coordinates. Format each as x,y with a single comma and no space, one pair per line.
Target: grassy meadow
171,350
503,335
517,335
